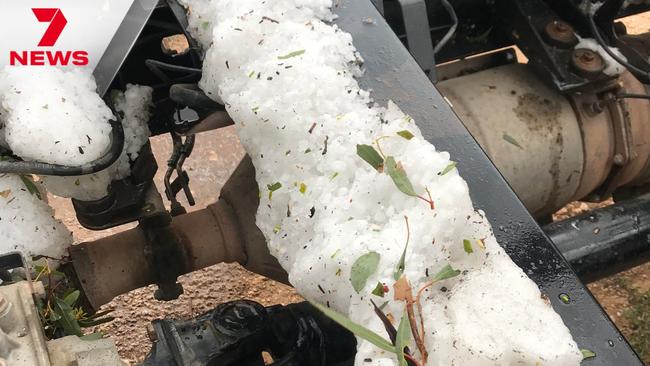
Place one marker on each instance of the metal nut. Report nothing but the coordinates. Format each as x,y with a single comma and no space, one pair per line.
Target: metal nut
560,34
587,62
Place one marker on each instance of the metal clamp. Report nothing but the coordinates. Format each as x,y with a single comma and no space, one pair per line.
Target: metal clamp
418,34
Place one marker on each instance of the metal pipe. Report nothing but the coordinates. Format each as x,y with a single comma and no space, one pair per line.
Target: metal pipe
550,148
118,264
605,241
222,232
530,132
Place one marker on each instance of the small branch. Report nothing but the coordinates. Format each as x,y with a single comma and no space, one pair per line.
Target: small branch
379,146
419,304
412,360
416,334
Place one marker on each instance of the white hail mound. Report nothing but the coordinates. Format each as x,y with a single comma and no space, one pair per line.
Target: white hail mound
53,116
134,105
287,78
26,222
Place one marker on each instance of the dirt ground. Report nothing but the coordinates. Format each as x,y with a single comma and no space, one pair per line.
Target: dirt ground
215,158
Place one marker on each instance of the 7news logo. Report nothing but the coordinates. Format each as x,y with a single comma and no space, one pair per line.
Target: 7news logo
57,21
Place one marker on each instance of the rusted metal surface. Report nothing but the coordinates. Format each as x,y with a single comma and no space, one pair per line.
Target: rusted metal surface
598,143
223,232
560,34
587,62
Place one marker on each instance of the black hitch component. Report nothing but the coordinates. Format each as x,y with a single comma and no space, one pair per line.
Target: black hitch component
237,333
125,197
605,241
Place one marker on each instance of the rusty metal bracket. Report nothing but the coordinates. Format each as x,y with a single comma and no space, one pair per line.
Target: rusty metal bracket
163,249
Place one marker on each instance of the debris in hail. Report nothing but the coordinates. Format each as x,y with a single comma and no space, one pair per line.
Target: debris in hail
335,213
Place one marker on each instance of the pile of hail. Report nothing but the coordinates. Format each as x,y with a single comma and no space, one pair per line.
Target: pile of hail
370,221
55,116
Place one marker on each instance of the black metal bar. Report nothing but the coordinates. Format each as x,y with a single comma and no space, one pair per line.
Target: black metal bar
392,74
605,241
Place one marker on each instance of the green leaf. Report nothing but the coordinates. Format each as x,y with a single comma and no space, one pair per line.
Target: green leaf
587,353
67,322
445,273
92,336
401,265
448,168
273,187
398,174
72,298
403,338
467,245
363,268
371,156
406,134
31,187
511,140
357,329
379,290
87,323
291,54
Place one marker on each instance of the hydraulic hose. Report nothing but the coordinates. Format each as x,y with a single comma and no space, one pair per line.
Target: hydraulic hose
39,168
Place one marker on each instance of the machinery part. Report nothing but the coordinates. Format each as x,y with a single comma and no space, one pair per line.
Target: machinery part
393,75
587,62
510,102
560,34
125,199
181,150
605,241
34,167
418,35
589,145
122,42
22,340
237,333
223,232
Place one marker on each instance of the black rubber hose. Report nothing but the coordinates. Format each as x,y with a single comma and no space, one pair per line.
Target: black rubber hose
39,168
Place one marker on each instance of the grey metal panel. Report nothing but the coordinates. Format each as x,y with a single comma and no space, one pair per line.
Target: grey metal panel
122,43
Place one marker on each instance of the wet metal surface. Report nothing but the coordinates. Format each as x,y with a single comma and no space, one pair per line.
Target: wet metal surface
391,73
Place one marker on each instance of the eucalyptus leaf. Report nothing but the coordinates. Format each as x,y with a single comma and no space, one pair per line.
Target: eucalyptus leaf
399,177
379,290
72,298
446,273
363,268
273,187
511,140
67,322
401,265
402,339
586,353
406,134
467,246
448,168
371,156
31,187
357,329
291,54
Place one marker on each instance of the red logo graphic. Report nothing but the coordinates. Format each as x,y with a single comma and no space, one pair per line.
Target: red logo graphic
57,22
